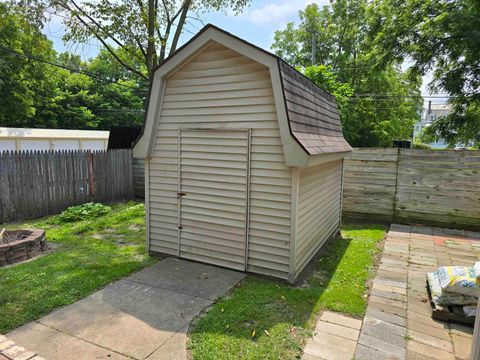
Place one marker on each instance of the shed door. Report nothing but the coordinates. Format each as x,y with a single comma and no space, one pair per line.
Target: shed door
214,196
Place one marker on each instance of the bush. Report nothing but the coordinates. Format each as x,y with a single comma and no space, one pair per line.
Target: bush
420,145
83,212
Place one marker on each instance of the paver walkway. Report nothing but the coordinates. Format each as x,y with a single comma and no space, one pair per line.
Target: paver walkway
335,338
144,316
398,323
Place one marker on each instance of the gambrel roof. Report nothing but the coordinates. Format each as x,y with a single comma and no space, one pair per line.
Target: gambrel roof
313,113
308,116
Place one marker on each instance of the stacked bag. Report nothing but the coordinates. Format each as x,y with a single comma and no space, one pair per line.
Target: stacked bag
456,285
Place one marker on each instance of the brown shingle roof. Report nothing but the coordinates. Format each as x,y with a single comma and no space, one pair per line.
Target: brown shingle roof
312,113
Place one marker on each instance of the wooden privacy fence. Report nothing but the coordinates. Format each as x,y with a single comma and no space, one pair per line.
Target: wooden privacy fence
34,184
440,187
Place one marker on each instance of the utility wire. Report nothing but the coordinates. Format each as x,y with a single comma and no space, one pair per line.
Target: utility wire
31,57
403,96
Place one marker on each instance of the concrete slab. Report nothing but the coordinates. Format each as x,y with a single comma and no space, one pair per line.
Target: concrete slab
128,317
144,315
186,277
174,349
53,345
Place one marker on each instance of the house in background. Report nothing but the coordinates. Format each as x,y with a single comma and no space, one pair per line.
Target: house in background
52,139
430,115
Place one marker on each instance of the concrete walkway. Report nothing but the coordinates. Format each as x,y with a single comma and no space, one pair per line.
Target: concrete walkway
144,316
398,323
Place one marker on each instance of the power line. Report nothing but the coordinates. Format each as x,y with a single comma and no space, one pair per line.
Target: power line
403,96
31,57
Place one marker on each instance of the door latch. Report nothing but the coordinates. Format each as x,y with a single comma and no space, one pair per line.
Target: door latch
179,194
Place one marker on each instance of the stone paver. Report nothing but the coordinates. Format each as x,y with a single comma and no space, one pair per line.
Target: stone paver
398,323
335,338
144,316
11,351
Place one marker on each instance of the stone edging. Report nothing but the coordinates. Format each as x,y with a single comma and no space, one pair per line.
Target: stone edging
10,351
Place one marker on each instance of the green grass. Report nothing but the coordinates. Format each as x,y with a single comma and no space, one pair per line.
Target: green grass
87,255
265,319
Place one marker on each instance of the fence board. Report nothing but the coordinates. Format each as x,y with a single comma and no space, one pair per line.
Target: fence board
35,184
439,187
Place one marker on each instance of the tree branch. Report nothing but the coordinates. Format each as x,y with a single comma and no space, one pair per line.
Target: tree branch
100,38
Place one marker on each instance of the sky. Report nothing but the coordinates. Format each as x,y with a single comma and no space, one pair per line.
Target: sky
257,24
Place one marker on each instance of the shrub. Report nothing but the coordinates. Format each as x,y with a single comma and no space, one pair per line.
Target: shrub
83,212
420,145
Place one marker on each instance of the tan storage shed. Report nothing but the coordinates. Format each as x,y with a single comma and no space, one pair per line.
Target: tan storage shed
243,158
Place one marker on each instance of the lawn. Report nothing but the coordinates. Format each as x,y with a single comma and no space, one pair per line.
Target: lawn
86,256
265,319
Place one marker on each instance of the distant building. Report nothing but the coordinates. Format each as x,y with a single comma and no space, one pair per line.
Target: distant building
52,139
431,114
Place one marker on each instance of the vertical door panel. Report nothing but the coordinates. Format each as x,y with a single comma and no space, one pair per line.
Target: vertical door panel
213,196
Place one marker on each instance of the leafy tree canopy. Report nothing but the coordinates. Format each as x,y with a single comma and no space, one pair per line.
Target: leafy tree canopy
441,36
138,34
40,88
382,102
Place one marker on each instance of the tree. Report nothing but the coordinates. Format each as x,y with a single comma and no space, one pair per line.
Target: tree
324,77
442,36
40,88
385,102
146,31
121,101
22,79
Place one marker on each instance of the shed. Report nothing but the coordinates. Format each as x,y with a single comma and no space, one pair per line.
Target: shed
243,158
52,139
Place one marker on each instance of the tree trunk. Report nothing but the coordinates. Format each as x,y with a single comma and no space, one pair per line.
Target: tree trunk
151,53
181,22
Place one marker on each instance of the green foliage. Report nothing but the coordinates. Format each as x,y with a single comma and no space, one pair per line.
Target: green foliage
87,255
442,36
421,145
37,94
138,34
22,80
266,319
84,212
386,101
324,77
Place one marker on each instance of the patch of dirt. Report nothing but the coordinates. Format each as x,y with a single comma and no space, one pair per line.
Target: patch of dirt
134,227
98,236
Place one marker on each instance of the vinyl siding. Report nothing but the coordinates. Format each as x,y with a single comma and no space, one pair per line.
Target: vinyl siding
318,209
221,89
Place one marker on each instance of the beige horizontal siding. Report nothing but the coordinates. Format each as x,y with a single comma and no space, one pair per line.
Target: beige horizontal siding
221,89
318,209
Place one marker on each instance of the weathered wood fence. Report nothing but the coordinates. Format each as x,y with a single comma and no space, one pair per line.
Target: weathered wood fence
439,187
34,184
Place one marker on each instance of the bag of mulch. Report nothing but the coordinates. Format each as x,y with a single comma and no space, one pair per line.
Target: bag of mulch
470,310
445,298
460,279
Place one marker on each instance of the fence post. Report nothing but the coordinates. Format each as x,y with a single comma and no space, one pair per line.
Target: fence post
91,178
